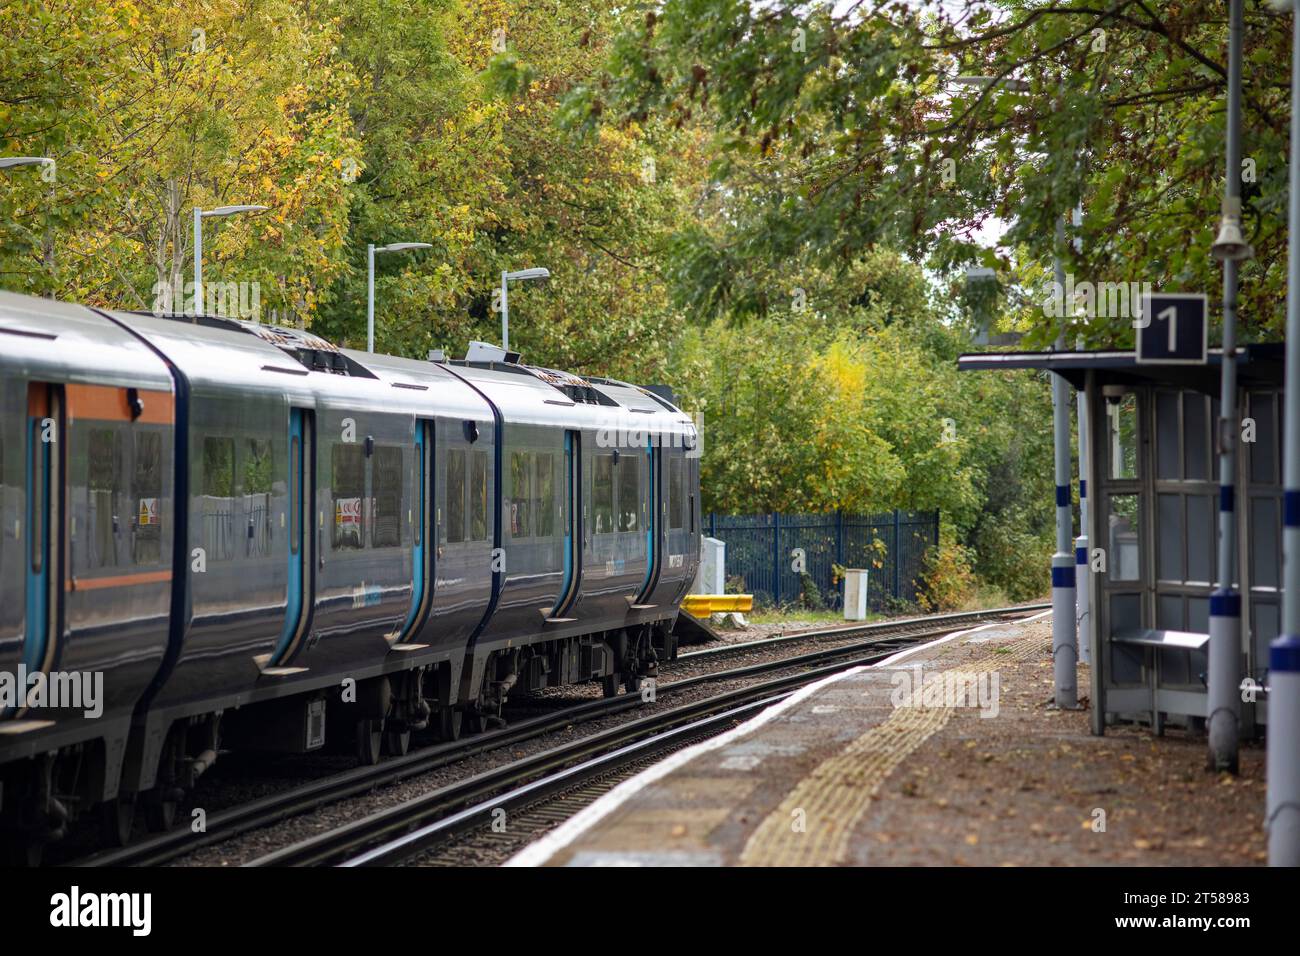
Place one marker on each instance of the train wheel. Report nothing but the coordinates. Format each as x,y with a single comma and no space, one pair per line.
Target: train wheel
159,814
633,684
397,742
370,741
117,819
448,722
609,684
476,722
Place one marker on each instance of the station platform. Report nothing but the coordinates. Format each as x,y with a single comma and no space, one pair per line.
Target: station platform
950,753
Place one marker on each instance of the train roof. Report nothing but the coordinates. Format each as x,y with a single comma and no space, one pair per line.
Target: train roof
62,342
217,355
528,394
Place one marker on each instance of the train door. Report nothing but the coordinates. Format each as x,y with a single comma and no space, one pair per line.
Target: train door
42,523
571,519
652,506
301,495
421,549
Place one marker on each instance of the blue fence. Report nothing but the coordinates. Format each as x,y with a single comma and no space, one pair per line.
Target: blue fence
761,553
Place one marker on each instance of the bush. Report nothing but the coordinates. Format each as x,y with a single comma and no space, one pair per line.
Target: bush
947,582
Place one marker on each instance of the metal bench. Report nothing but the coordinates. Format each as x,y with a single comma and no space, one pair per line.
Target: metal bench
1166,701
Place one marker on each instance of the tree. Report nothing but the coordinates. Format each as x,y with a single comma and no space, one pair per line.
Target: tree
841,131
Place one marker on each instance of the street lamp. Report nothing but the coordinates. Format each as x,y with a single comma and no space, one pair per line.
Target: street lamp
523,275
1065,638
370,282
7,162
1223,698
199,216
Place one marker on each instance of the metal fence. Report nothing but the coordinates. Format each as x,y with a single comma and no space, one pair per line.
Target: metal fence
761,553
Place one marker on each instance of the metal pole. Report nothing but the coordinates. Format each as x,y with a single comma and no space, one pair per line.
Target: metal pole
1283,759
1224,680
198,262
1065,653
898,553
505,313
370,297
1082,611
1082,599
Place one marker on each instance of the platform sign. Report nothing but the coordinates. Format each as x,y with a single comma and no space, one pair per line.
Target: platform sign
1172,329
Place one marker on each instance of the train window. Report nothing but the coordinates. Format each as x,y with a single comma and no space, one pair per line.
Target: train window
295,493
387,531
545,491
146,542
602,493
676,493
521,499
629,492
104,484
478,497
348,487
455,496
216,507
258,467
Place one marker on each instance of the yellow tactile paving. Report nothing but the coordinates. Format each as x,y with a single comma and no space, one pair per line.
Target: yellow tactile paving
813,824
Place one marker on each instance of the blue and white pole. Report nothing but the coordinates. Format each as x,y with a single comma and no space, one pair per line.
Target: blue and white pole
1081,602
1082,611
1282,816
1224,681
1065,651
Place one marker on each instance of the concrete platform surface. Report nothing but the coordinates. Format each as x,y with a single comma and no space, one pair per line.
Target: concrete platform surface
949,753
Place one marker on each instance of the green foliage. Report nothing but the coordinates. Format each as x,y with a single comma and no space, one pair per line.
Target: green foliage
838,129
859,406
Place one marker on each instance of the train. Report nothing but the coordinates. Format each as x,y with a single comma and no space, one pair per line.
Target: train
220,535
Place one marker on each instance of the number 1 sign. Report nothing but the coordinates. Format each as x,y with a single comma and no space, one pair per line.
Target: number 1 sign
1172,329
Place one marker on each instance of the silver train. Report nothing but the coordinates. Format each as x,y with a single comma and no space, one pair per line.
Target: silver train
217,535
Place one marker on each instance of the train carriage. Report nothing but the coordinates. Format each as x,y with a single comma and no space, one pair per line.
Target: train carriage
260,541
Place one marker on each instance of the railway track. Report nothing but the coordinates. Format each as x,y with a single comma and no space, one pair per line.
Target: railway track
875,642
547,786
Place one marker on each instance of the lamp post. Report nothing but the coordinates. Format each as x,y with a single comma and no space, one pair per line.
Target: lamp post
1224,678
47,245
370,282
199,216
1082,600
523,275
1065,647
